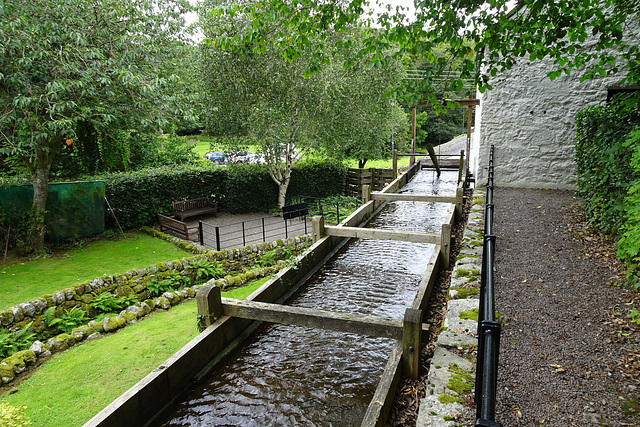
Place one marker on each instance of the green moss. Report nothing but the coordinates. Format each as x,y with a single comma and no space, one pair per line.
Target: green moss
471,314
464,293
461,256
446,399
630,407
461,381
463,272
479,201
447,418
6,372
475,243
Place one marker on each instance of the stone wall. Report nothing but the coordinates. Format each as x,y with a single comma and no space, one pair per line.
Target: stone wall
31,313
530,121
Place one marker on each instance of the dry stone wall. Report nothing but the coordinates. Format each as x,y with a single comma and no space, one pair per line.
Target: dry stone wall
31,314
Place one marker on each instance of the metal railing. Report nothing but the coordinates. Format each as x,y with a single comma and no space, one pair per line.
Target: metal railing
488,328
272,228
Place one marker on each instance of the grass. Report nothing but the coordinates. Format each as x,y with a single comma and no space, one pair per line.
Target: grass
75,385
23,281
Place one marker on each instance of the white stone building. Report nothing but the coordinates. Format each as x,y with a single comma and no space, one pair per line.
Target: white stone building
531,122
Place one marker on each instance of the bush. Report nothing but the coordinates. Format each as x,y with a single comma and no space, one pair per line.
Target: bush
10,416
603,164
608,177
13,342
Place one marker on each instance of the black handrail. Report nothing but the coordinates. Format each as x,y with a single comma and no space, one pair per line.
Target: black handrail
488,328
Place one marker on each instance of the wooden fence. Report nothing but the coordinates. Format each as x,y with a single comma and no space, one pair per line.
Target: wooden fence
375,178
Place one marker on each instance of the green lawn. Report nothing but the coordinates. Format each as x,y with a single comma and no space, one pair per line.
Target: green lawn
24,281
75,385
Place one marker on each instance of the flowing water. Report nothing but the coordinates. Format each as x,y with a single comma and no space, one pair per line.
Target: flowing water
287,375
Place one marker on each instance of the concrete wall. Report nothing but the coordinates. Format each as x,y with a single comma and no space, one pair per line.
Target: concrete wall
530,121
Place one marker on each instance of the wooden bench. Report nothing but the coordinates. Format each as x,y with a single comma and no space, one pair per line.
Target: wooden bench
295,211
185,208
168,223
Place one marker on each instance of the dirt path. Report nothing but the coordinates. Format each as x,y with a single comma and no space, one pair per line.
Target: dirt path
567,354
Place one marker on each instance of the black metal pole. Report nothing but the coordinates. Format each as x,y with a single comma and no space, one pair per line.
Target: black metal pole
200,233
218,238
264,234
244,241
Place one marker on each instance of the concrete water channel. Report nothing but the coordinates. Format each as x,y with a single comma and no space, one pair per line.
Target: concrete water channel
252,374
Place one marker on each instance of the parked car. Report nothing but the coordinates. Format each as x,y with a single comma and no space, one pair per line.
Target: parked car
217,157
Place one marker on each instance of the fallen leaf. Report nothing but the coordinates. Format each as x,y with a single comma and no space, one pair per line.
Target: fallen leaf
557,368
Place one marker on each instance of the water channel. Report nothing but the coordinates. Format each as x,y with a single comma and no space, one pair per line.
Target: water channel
286,375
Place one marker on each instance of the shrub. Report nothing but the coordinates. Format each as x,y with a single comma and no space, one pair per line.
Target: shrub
11,416
603,164
12,342
205,270
106,302
68,321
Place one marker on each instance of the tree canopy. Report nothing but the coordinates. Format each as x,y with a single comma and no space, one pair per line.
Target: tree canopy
254,95
534,29
71,65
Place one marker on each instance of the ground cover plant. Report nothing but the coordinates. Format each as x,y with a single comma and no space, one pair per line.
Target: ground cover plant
23,281
75,385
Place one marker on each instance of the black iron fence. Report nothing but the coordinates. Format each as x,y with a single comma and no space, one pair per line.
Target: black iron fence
488,328
295,221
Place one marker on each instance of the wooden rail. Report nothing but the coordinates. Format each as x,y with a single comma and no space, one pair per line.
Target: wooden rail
371,326
373,233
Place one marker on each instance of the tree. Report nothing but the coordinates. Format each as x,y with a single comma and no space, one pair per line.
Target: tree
252,93
68,65
534,29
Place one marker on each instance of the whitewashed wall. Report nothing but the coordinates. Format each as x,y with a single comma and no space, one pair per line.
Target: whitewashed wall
531,122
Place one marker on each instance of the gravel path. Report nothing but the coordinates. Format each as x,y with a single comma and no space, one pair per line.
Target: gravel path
567,354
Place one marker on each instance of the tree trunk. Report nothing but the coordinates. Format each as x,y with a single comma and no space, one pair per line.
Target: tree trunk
40,181
361,163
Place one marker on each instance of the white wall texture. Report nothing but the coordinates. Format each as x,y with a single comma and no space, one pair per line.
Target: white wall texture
531,122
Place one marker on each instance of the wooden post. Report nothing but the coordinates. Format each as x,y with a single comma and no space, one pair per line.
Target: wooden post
395,163
412,159
461,167
366,194
412,332
445,245
209,302
459,197
468,147
317,228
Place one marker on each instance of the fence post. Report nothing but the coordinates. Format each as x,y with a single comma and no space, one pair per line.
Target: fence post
317,228
395,163
445,245
338,212
459,198
200,233
264,234
411,334
366,194
217,238
461,166
244,240
209,303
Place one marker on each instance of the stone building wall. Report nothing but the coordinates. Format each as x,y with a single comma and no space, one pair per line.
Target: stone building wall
531,122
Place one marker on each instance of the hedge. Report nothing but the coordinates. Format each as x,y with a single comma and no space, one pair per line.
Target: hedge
136,197
608,175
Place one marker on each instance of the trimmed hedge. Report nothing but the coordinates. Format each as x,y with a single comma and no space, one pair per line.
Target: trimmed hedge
136,197
608,176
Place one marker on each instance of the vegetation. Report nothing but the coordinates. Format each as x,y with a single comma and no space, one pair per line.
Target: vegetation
71,74
71,395
496,32
608,170
22,281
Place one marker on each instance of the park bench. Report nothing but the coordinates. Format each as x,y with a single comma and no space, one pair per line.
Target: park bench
185,208
168,223
295,211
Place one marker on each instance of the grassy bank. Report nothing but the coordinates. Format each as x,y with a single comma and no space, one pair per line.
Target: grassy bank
25,280
75,385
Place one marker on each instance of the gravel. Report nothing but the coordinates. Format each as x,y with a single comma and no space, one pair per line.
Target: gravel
567,349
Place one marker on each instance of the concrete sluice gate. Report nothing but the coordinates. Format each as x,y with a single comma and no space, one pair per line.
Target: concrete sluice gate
290,375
